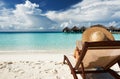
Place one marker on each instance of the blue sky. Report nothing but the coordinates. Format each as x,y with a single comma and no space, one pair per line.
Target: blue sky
45,5
57,14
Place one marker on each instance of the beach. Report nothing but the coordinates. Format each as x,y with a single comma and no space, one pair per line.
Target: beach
34,65
31,65
36,34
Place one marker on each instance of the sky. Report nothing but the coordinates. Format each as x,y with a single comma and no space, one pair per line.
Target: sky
45,15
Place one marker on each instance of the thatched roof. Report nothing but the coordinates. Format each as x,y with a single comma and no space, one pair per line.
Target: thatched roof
75,28
66,29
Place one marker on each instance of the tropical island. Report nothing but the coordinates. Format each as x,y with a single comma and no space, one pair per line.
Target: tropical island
76,29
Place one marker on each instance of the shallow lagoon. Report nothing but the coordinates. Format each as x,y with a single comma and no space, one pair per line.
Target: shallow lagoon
40,41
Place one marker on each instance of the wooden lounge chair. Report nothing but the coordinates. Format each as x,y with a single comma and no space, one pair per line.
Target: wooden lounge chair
95,57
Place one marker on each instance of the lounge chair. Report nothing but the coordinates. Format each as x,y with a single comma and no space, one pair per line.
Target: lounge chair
95,57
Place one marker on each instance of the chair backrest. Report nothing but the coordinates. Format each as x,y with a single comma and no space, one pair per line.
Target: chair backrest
99,54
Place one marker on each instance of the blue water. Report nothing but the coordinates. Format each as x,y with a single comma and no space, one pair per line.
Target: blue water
40,41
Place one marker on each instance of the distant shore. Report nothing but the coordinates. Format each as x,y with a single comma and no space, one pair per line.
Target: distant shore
30,31
45,32
115,32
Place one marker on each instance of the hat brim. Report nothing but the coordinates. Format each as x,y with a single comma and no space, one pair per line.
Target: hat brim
89,31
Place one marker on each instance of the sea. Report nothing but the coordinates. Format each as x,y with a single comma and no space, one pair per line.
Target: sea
41,41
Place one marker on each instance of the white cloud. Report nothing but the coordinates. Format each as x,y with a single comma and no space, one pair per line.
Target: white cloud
66,24
25,16
89,11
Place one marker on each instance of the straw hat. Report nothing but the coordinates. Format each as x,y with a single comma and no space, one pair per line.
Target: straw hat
97,33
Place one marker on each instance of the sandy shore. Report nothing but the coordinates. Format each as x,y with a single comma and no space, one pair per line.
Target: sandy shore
34,66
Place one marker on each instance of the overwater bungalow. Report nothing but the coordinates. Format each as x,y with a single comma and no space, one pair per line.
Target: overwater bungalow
75,29
67,30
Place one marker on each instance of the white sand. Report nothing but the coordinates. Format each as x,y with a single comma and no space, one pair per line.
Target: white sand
34,65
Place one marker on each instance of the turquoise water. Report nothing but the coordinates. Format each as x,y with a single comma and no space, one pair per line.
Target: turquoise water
40,41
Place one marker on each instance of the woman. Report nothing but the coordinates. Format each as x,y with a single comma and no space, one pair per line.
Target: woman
93,34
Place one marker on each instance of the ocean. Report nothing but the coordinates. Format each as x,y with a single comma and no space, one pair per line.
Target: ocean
40,41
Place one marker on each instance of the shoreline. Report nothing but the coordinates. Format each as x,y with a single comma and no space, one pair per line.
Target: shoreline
57,51
31,55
